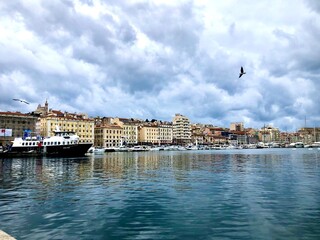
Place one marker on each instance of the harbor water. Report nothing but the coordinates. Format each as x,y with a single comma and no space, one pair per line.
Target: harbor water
209,194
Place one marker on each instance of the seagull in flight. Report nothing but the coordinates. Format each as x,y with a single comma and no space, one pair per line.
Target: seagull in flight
20,100
241,72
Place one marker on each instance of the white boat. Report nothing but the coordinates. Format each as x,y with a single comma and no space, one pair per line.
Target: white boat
122,149
109,149
99,151
170,148
192,147
90,150
181,148
139,149
299,145
63,143
262,145
296,145
291,145
96,150
157,149
315,145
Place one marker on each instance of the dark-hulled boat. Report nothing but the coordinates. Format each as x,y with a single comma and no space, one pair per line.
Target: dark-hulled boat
63,143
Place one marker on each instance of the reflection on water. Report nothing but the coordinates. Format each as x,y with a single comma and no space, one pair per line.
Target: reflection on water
239,194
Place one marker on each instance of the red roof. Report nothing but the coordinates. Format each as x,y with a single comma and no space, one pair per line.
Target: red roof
15,113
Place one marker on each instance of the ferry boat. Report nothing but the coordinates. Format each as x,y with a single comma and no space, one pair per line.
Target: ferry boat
63,143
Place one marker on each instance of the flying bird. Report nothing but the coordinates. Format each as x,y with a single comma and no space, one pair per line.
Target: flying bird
241,72
20,100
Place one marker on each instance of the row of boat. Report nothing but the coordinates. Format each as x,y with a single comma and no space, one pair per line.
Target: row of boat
138,149
66,143
141,148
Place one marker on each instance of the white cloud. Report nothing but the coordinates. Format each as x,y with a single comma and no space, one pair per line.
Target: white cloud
152,59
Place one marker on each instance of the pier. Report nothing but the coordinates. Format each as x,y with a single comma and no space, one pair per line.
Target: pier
5,236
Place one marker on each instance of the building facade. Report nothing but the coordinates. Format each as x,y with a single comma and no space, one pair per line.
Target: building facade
269,134
237,126
14,124
165,133
181,129
130,129
155,133
148,134
83,127
309,135
107,136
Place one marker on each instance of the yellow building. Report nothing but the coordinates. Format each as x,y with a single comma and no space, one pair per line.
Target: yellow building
148,134
79,123
83,127
110,135
130,129
155,133
165,133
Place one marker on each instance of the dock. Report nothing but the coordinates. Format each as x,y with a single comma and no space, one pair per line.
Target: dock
5,236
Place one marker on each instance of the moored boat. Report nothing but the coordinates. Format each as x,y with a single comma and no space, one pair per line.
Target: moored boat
96,150
139,148
299,145
63,143
192,147
122,149
315,145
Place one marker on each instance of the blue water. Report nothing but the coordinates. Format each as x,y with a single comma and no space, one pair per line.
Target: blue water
227,194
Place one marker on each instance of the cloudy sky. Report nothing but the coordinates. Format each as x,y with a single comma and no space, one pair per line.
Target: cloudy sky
153,58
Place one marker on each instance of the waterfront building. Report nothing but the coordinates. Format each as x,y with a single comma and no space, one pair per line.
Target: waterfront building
216,131
98,121
211,139
165,133
130,129
238,137
197,138
293,137
79,123
181,129
197,133
155,132
148,134
14,124
269,134
83,127
252,135
109,135
237,126
309,135
215,135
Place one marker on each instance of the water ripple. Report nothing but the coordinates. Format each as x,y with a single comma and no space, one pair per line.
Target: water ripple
267,194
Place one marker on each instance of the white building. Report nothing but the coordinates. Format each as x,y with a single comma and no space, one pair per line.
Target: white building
181,129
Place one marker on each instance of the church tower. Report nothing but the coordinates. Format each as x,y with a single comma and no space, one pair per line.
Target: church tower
46,107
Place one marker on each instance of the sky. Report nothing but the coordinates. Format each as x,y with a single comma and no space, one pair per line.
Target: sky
151,59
